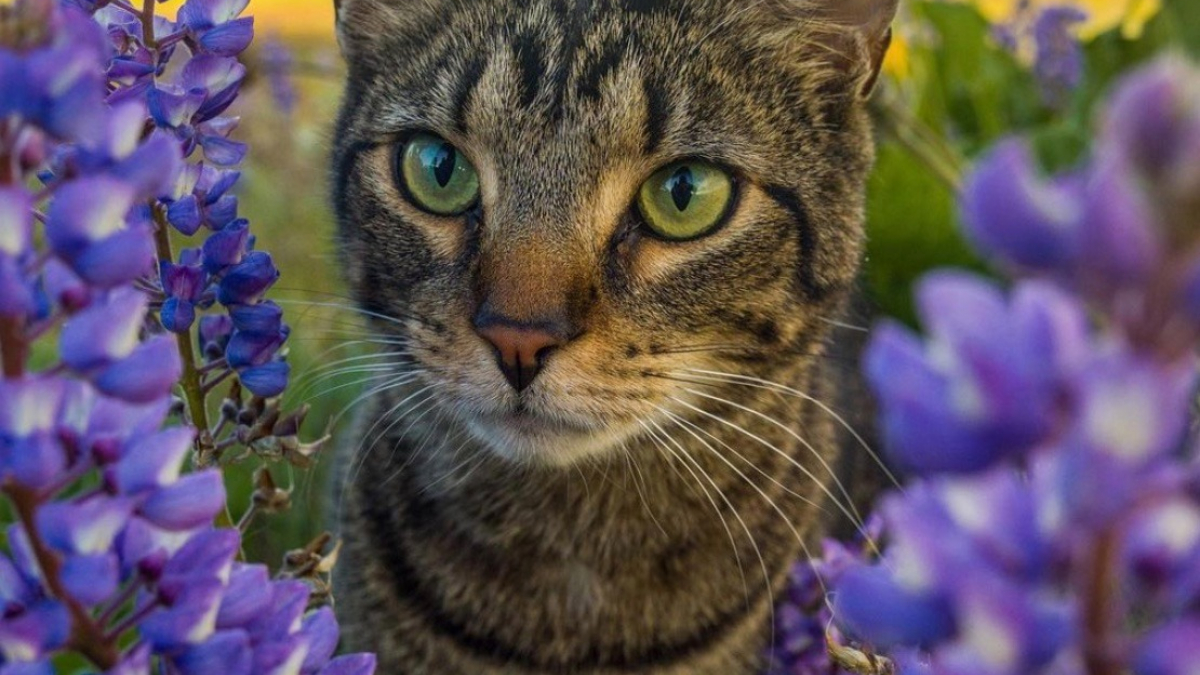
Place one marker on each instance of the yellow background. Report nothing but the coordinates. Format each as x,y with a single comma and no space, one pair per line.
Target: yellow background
290,17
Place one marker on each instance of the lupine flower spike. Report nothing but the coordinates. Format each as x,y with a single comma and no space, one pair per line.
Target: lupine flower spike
1052,523
112,556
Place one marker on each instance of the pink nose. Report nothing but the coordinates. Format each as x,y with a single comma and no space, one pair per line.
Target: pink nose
520,350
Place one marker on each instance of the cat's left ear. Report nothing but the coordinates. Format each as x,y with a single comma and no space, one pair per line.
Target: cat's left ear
852,35
871,23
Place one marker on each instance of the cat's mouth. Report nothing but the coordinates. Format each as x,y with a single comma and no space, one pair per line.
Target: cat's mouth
524,435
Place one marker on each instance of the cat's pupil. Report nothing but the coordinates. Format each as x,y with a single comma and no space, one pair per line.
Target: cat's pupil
682,186
443,164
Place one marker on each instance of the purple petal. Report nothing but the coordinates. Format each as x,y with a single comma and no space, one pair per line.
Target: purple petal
145,375
155,461
105,332
248,280
222,151
1163,543
184,214
1153,122
288,602
16,291
218,76
190,502
1120,245
263,318
117,260
144,549
31,405
215,330
1135,410
23,557
84,528
267,381
64,287
222,212
16,221
113,421
352,664
248,596
91,579
321,629
870,605
87,210
1015,217
1169,650
227,246
253,349
183,281
200,14
154,167
28,668
189,618
15,589
207,555
226,653
36,461
213,74
173,109
922,431
229,39
35,632
177,315
282,657
214,183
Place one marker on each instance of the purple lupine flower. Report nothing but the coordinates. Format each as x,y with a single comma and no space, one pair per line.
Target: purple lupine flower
216,26
1059,63
1048,32
278,64
1053,525
983,390
113,556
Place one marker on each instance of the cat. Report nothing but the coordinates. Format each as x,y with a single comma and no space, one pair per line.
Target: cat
607,243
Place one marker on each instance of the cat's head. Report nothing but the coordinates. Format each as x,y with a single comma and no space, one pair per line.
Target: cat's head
570,207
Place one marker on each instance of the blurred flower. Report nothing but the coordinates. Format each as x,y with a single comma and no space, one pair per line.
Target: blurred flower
1059,61
278,64
1053,515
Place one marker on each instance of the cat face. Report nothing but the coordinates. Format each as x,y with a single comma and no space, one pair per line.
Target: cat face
570,209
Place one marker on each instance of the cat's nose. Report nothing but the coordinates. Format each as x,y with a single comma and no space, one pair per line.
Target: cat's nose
520,348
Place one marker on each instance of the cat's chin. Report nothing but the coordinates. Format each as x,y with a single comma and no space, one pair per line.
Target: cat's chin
526,438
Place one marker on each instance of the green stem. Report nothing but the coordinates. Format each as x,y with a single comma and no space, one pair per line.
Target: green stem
193,390
921,142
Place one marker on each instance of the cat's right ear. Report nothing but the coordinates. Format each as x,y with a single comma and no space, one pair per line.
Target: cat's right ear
852,36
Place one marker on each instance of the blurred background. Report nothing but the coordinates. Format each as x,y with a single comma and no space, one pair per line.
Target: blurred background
960,76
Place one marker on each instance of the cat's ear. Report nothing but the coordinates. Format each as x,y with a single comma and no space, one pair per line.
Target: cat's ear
851,35
361,22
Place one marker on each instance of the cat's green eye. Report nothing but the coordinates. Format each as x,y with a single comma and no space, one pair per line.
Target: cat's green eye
686,200
437,177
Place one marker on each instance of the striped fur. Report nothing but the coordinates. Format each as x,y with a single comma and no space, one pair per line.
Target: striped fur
647,521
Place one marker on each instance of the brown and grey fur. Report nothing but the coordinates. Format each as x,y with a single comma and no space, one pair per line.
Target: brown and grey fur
626,513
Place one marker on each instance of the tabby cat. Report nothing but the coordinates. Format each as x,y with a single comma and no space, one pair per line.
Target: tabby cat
607,243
